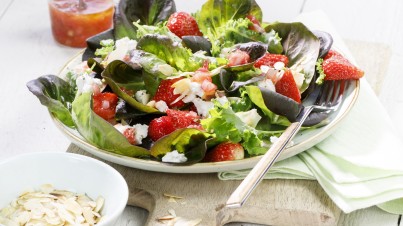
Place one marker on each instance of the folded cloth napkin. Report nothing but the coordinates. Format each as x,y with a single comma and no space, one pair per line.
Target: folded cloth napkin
360,164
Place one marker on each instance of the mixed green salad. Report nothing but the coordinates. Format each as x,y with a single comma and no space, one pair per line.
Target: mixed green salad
222,85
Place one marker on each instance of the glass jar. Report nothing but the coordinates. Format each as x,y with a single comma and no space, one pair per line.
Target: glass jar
73,21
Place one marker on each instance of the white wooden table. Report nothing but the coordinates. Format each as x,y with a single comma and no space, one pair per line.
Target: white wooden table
29,51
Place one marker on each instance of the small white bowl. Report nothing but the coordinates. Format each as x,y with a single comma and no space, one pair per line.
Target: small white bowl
65,171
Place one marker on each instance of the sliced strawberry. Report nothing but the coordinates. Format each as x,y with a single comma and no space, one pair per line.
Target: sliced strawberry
130,134
165,92
337,67
183,119
238,57
287,86
183,24
104,105
160,127
270,59
226,151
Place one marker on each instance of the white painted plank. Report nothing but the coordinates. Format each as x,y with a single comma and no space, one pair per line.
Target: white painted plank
373,21
28,51
4,4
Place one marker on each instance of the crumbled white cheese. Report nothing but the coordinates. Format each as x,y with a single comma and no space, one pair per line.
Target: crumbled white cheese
121,128
298,78
122,48
251,117
188,90
279,65
151,103
274,139
267,84
86,83
142,96
203,107
174,157
141,132
161,106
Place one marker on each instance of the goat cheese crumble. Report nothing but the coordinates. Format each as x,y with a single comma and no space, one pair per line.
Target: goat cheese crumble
174,157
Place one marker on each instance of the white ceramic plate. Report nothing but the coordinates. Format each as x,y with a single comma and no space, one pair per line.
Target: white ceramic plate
302,141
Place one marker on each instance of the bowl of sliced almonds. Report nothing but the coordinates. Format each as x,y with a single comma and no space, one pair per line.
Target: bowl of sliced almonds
60,189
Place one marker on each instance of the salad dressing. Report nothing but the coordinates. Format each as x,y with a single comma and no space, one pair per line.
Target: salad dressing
72,22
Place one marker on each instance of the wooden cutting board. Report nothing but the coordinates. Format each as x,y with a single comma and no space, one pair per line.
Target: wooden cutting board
274,202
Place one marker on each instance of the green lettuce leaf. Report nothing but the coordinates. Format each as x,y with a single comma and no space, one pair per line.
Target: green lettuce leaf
216,13
256,97
170,51
99,132
148,12
301,47
152,64
117,75
56,94
191,142
227,126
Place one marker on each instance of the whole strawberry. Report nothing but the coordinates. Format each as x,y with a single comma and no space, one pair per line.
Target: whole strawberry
337,67
287,86
226,151
183,24
270,59
165,92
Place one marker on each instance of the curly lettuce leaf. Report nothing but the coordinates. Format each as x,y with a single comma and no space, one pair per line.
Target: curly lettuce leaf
227,126
158,29
56,94
99,132
107,46
319,69
216,13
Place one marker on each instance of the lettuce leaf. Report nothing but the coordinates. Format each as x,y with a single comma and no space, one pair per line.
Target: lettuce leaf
216,13
257,98
224,23
170,51
99,132
227,126
119,75
56,94
148,12
191,142
301,47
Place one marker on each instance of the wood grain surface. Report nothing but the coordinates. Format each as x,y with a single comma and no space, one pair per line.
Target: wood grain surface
274,202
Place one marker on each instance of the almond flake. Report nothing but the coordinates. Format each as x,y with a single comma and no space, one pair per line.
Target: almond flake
51,207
